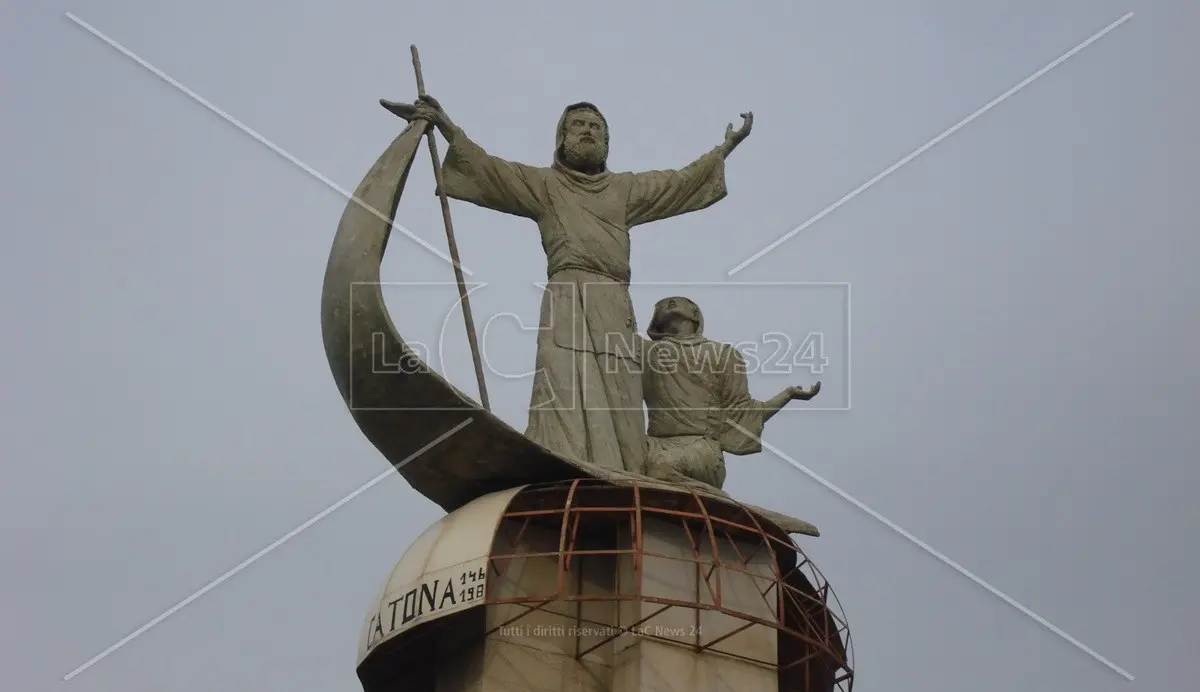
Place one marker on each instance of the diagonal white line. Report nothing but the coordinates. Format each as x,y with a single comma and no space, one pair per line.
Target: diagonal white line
929,549
253,558
263,140
933,142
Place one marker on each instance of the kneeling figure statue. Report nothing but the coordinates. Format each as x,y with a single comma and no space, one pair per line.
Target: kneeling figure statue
698,399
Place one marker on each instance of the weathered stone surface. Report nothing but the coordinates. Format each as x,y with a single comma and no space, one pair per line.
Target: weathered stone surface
698,397
447,447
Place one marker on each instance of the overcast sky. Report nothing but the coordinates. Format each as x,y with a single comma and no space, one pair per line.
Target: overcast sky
1024,392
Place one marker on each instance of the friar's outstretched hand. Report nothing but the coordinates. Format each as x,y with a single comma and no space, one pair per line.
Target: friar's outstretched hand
425,108
804,394
734,137
428,109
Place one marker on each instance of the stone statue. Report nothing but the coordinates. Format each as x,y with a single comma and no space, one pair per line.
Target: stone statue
698,398
448,446
587,393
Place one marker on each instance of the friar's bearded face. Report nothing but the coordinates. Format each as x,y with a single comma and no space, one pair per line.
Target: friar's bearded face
585,141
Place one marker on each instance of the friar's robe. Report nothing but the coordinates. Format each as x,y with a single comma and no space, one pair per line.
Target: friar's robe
587,397
698,398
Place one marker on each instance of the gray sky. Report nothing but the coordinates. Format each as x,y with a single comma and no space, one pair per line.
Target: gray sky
1024,314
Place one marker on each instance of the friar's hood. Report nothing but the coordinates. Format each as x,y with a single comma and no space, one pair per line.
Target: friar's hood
560,137
685,306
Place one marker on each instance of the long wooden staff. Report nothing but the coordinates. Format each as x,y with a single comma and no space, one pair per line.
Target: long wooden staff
458,273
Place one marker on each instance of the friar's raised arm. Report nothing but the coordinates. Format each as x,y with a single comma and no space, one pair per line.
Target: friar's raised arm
472,175
656,195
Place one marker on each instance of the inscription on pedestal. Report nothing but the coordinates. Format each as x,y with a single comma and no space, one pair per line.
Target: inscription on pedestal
436,594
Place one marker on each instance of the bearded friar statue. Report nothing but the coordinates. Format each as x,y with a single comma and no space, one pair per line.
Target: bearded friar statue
587,391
